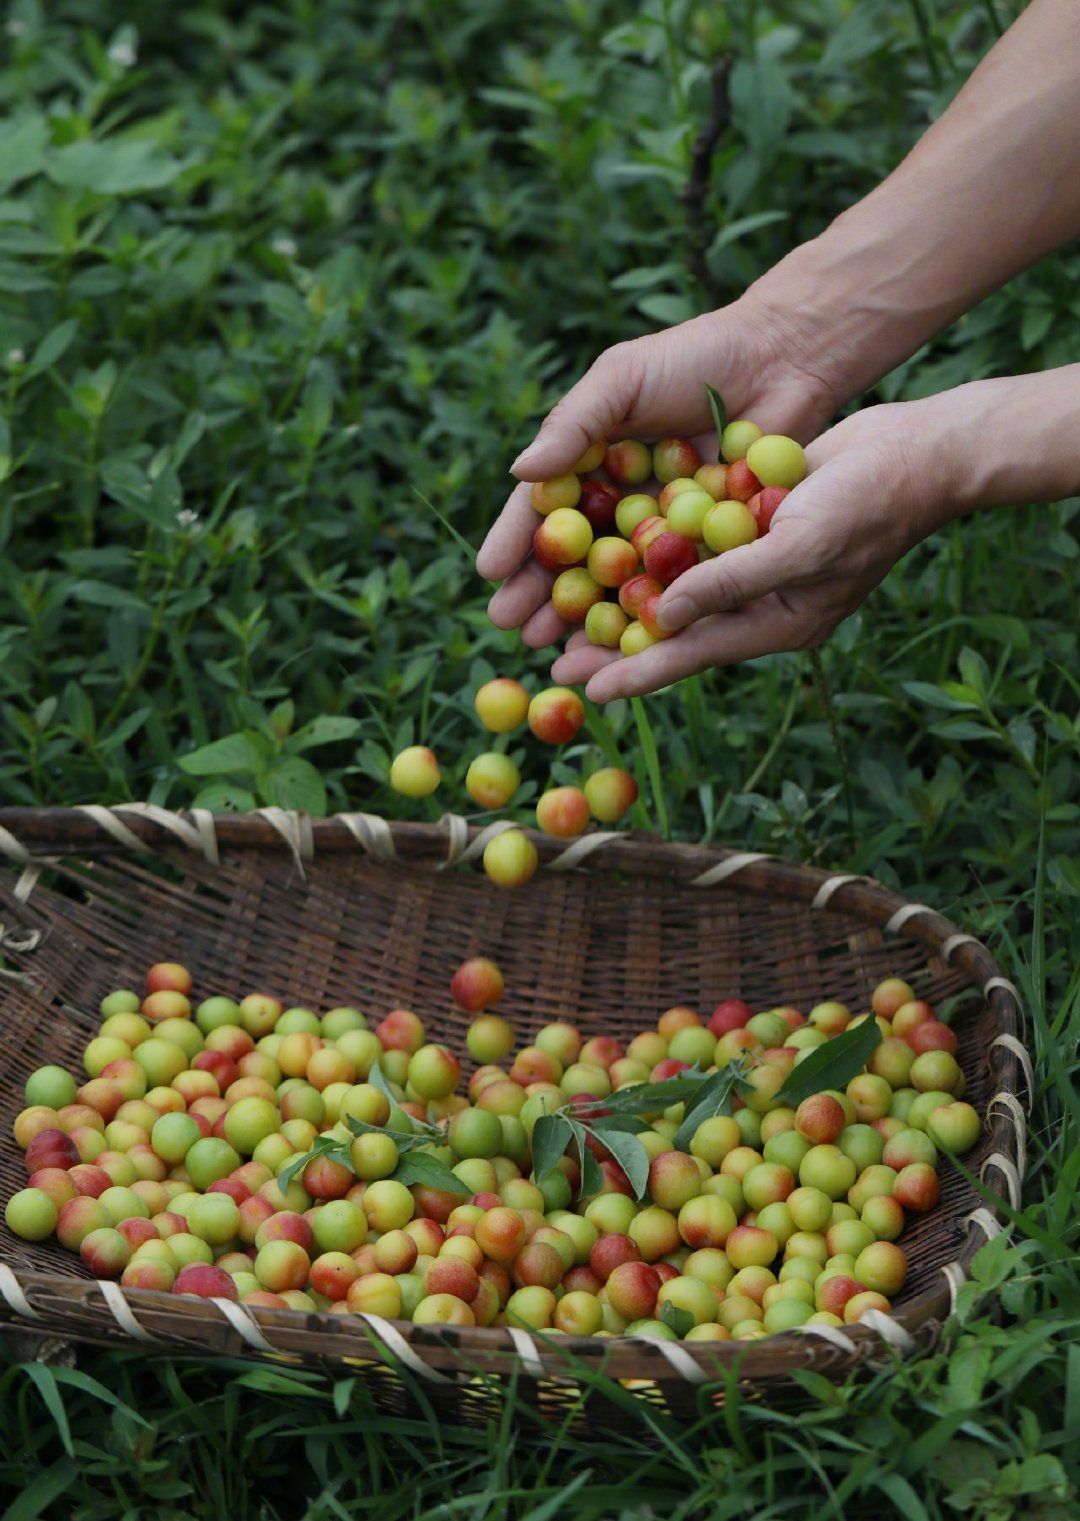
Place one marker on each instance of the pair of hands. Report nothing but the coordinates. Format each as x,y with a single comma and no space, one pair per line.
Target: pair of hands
868,498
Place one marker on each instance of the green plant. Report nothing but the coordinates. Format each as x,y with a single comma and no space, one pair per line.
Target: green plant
274,272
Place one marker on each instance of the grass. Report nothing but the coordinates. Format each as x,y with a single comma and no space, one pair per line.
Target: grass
282,290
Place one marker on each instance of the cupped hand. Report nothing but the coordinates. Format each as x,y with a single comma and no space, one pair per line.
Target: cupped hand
648,388
877,485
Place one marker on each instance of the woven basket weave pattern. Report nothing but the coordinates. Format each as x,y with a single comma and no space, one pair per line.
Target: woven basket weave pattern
607,946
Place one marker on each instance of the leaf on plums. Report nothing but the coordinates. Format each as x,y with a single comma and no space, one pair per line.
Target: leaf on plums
633,1124
404,1140
377,1078
325,1146
550,1138
421,1167
832,1065
714,1097
650,1098
287,1174
716,406
592,1179
630,1155
680,1321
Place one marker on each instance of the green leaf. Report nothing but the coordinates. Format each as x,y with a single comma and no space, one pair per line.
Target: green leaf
592,1179
342,1396
421,1167
22,148
762,100
102,594
679,1320
713,1097
236,752
632,1124
404,1140
668,309
282,719
832,1065
327,729
225,797
935,697
630,1155
125,729
325,1146
463,542
646,275
45,1379
112,166
717,408
551,1135
962,728
1039,1474
974,671
52,346
652,762
37,1497
962,693
733,231
652,1098
293,782
378,1079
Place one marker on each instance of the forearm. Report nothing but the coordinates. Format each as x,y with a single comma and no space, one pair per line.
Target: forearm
988,190
1008,441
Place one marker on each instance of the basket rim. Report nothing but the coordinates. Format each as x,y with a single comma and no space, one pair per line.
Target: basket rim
32,837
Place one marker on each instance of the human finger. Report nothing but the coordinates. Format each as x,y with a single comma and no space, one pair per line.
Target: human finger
543,627
509,538
586,413
731,580
518,598
763,628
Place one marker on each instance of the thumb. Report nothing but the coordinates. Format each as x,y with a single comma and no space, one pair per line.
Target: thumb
728,582
585,414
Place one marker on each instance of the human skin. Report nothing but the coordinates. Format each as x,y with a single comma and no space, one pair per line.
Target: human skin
881,480
958,218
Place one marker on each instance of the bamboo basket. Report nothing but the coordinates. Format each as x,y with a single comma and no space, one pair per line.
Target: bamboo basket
610,931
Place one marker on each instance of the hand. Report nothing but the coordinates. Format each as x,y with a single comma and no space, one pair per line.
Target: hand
648,388
877,485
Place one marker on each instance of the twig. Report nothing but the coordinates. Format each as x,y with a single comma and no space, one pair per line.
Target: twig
695,192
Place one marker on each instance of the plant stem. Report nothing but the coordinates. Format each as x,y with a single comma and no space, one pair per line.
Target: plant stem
673,60
132,682
821,681
922,21
762,766
695,192
91,485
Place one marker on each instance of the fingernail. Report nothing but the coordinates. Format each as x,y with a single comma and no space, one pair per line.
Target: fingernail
676,613
522,457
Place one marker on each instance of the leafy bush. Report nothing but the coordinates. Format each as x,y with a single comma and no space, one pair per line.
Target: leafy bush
274,282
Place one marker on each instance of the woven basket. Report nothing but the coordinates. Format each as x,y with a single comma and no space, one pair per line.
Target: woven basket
610,931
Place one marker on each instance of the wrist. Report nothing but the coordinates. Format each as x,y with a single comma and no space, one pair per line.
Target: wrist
800,304
790,344
865,294
1002,442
